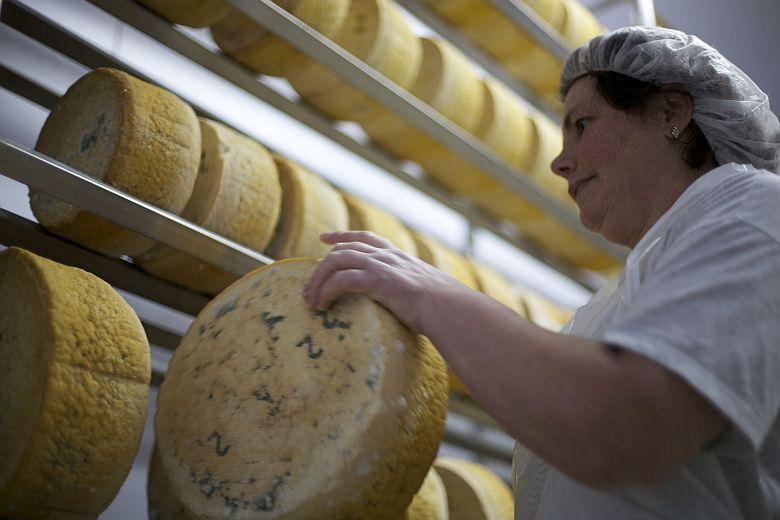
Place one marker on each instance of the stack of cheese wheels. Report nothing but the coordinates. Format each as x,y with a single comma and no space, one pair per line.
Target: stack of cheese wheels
508,129
368,217
244,424
310,207
74,384
127,133
237,195
518,51
473,491
162,503
448,84
192,13
252,45
543,312
434,253
430,502
496,286
375,32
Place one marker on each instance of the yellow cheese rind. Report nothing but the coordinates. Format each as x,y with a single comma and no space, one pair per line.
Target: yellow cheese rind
310,207
473,491
543,312
192,13
74,382
127,133
270,410
376,33
237,195
367,217
441,257
162,503
252,45
430,502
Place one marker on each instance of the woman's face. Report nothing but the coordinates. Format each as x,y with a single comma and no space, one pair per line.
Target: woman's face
610,159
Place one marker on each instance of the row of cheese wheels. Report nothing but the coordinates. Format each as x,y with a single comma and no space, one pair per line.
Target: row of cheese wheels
269,410
434,71
241,422
148,142
518,52
453,489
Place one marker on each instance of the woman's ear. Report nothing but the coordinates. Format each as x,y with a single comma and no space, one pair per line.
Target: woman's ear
675,109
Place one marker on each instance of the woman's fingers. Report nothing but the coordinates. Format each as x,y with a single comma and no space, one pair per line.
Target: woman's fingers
335,261
340,282
366,237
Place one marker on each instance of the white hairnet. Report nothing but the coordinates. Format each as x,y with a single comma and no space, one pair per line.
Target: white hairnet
731,111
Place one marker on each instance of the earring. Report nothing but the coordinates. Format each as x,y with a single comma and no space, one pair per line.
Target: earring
675,132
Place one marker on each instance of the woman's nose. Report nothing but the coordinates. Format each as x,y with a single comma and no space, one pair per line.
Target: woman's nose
563,165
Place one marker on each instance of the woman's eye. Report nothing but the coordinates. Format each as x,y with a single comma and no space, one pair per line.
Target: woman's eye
580,124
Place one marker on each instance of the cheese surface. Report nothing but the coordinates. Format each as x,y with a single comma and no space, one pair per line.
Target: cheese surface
74,382
270,410
473,491
254,46
430,502
310,207
237,195
367,217
127,133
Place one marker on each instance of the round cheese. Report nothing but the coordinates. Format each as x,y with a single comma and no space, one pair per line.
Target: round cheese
448,84
543,312
365,216
162,503
192,13
127,133
74,384
441,257
580,25
237,195
254,46
310,207
430,502
494,285
270,410
473,491
376,33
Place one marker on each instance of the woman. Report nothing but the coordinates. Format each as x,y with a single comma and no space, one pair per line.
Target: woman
660,399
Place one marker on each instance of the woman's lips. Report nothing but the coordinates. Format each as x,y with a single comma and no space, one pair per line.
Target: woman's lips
576,186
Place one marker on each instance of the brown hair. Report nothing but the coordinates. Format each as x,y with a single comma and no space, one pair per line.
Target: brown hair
626,93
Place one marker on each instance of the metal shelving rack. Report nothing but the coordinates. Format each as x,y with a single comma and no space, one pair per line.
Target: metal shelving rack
44,174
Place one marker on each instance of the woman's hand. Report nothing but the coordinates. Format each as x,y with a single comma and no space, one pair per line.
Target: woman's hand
363,262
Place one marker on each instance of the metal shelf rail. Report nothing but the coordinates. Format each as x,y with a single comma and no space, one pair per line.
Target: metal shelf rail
50,33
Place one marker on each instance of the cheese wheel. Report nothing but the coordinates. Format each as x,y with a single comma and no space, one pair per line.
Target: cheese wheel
74,383
270,410
376,33
494,285
441,257
127,133
430,502
162,503
310,207
580,24
448,84
365,216
473,491
237,195
192,13
254,46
